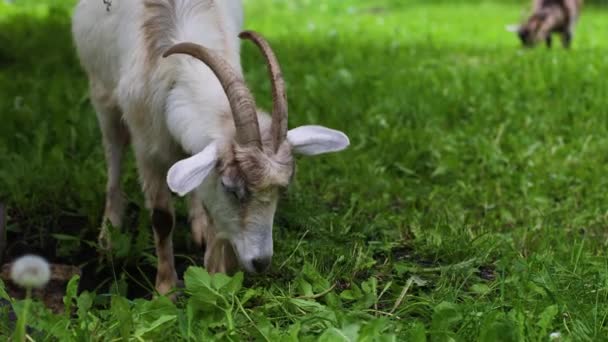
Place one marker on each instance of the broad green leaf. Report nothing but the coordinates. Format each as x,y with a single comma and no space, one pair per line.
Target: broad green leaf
304,287
519,320
446,315
318,282
546,318
401,268
332,300
70,294
119,287
250,293
265,331
219,280
121,312
353,293
199,285
481,289
370,286
307,305
294,331
196,277
376,329
498,327
84,302
190,315
370,290
349,333
141,331
417,333
235,284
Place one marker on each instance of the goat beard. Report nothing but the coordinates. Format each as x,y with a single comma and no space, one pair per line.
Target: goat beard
220,257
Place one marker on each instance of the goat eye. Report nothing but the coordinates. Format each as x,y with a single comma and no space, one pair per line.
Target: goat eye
232,190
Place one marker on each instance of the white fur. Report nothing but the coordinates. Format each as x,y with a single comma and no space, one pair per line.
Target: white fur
112,49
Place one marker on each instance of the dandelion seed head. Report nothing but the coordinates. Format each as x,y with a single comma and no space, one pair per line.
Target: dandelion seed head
30,271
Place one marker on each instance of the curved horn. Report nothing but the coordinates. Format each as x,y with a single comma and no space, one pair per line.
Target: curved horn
241,101
279,97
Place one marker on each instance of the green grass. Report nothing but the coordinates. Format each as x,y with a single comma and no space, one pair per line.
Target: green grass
471,205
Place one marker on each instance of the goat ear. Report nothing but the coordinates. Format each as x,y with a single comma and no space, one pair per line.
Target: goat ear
185,175
313,140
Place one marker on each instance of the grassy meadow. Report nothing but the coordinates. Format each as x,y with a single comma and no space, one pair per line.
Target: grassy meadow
471,206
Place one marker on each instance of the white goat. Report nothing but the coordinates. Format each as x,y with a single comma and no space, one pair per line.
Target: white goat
194,126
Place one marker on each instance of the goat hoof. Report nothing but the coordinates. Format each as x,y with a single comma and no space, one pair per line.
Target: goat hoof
171,292
166,284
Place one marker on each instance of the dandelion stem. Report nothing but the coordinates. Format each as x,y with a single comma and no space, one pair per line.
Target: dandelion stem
22,321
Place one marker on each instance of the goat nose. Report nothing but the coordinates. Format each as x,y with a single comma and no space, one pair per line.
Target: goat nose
261,264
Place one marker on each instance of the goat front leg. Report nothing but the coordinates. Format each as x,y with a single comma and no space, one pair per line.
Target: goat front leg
115,138
549,41
158,200
567,38
199,221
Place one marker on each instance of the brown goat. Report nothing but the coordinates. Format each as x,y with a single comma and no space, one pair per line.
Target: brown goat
548,17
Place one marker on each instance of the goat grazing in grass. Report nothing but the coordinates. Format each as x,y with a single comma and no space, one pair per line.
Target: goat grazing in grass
165,75
548,17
